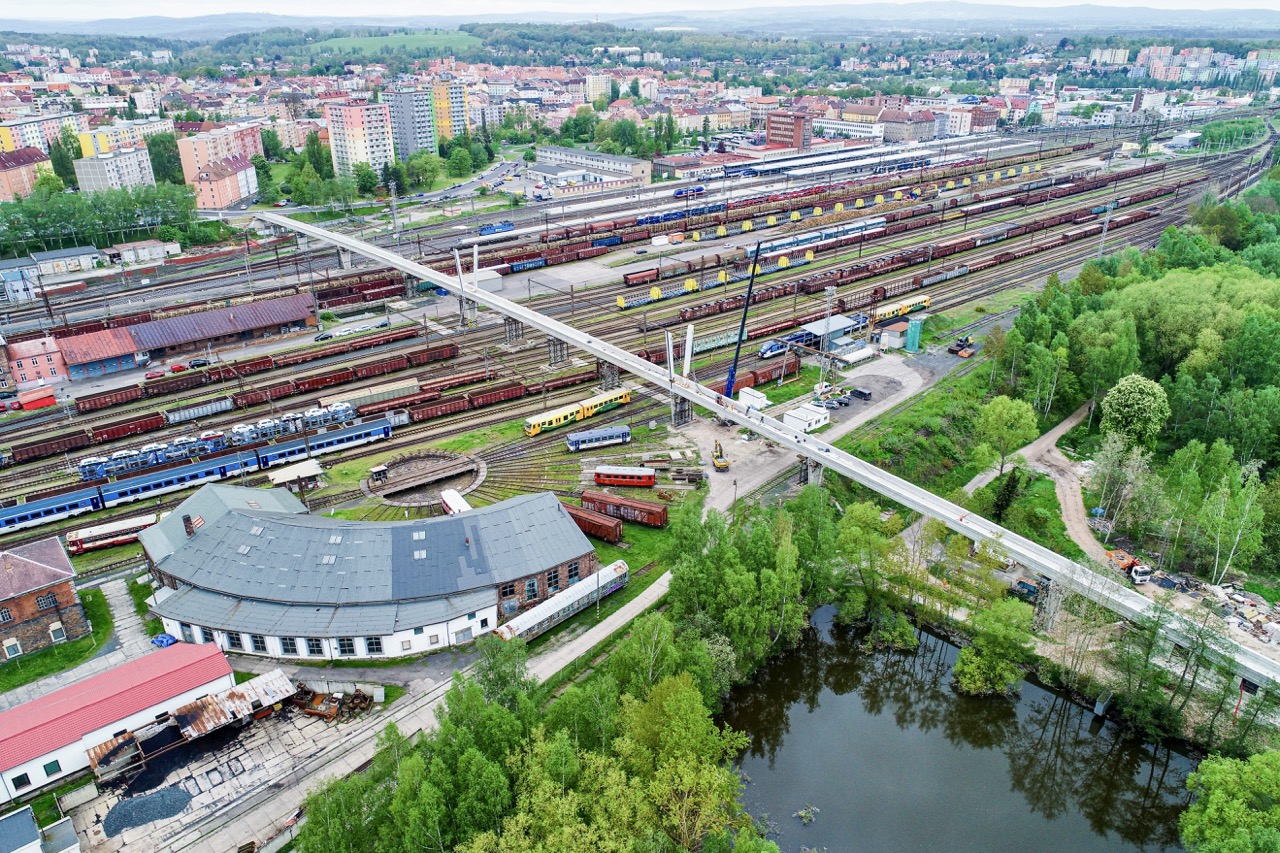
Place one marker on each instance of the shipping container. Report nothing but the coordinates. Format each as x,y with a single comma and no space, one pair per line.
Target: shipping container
132,426
446,406
377,393
105,399
51,446
628,509
204,410
489,396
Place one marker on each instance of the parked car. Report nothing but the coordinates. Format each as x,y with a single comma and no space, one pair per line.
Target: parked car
861,393
281,203
324,336
155,374
198,362
642,251
177,368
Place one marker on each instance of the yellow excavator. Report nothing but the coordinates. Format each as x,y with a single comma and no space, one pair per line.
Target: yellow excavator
718,459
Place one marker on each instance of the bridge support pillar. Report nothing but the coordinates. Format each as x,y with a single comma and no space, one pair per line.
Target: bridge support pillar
513,330
1048,603
558,352
681,411
344,258
609,378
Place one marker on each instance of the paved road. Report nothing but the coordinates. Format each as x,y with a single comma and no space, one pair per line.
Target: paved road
261,816
129,641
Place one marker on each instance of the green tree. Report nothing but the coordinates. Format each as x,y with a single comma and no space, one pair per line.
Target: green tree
1136,408
530,155
271,145
424,168
62,162
502,670
317,154
633,88
1231,796
48,183
305,186
1005,425
162,149
366,178
263,170
648,655
1001,644
459,164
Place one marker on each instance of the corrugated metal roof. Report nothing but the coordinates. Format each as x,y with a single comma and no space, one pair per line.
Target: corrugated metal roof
235,703
18,829
203,325
272,619
96,346
64,716
74,252
321,561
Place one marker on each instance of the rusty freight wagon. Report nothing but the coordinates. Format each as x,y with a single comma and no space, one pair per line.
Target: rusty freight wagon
628,509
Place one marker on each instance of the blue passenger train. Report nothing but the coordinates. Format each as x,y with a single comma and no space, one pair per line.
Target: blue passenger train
90,499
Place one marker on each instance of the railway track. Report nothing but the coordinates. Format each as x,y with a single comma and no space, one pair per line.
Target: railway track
529,359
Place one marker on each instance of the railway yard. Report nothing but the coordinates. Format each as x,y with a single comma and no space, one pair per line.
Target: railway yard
934,238
394,401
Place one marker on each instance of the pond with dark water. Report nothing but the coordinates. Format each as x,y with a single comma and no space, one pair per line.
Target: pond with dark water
896,761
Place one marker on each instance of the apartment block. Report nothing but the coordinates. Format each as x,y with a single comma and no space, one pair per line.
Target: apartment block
794,130
235,140
225,183
359,132
452,109
413,121
18,172
116,170
38,131
122,134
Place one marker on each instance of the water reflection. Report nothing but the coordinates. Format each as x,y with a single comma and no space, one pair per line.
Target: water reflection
896,761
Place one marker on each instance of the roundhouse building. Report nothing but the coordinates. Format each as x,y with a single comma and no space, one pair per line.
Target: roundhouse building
250,570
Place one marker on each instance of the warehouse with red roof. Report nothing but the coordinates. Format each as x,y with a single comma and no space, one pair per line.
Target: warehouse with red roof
47,739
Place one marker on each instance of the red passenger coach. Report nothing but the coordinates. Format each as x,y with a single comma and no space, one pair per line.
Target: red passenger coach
618,475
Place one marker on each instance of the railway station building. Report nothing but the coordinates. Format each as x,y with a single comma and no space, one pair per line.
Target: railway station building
252,572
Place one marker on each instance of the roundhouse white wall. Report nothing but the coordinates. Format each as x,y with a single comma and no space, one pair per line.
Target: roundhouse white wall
400,644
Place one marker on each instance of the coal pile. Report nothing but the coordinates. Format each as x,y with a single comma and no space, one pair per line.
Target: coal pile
139,811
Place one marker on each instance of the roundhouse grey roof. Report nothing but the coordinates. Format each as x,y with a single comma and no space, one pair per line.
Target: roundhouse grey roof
271,554
272,619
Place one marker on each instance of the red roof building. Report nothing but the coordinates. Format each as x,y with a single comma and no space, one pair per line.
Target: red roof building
48,738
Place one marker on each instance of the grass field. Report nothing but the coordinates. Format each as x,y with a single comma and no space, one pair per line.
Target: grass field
437,41
27,668
140,592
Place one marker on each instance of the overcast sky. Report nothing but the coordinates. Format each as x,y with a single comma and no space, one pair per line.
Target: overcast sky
94,9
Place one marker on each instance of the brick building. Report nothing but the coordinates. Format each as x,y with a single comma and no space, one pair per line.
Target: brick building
39,607
343,589
794,130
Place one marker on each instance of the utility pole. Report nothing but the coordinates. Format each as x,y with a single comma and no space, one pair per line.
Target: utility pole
395,219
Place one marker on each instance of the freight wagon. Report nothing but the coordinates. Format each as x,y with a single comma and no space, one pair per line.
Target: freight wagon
596,524
627,509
